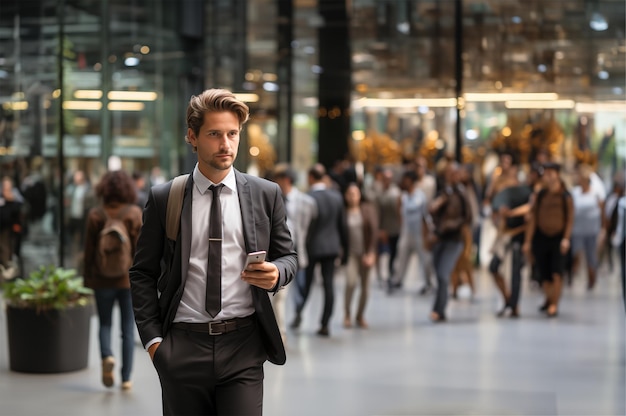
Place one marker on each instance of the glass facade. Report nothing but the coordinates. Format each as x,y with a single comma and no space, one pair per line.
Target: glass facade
91,84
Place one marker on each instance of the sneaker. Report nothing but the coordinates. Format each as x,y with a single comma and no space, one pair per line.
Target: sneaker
107,370
127,385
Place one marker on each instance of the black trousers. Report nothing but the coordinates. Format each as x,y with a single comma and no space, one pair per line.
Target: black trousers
327,266
204,374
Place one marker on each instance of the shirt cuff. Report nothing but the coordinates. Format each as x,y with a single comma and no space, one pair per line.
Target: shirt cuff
153,341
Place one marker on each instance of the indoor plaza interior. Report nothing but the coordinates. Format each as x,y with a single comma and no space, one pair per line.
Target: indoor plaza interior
92,85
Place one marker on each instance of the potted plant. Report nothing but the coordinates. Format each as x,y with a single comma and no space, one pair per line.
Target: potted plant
48,321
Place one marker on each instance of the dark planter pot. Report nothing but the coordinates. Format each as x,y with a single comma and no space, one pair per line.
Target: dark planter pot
52,341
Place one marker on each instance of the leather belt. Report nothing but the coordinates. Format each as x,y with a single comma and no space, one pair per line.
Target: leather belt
216,327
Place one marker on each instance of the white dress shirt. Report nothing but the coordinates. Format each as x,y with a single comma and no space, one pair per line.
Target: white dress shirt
236,294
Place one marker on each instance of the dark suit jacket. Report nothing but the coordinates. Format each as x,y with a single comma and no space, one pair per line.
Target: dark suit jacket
160,267
328,234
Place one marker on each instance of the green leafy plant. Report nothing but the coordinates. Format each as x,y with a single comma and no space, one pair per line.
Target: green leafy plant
47,288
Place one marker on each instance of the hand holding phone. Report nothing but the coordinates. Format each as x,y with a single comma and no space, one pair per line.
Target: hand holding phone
255,257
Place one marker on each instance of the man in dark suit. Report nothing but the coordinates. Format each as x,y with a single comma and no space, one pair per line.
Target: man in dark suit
326,242
210,359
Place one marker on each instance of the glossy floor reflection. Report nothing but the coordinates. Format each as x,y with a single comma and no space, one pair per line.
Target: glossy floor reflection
475,364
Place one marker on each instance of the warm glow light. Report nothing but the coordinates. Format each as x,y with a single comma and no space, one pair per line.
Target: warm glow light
269,77
82,105
358,135
254,151
548,105
15,105
56,93
607,106
499,97
247,98
506,131
404,102
125,106
88,94
132,95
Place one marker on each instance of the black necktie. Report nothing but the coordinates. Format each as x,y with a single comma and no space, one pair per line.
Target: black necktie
214,267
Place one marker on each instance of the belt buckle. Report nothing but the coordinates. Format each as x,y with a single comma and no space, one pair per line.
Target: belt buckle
212,331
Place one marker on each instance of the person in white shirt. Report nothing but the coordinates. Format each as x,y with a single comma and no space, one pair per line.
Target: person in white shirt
301,211
206,322
588,208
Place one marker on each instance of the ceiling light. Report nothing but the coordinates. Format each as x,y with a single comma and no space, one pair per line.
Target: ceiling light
516,19
603,74
404,28
405,102
500,97
131,61
88,94
607,106
15,105
270,86
598,22
547,105
132,95
471,134
82,105
247,98
125,106
542,68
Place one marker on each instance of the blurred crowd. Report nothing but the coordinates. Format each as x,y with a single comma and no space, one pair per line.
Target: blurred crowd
551,224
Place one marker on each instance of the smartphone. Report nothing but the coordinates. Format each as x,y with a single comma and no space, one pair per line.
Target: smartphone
255,257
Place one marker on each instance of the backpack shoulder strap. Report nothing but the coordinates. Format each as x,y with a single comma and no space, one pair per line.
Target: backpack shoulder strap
175,206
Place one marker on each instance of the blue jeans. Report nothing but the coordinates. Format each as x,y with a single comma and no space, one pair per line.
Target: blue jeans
105,300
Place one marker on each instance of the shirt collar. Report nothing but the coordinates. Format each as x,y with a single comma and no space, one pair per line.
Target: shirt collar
203,183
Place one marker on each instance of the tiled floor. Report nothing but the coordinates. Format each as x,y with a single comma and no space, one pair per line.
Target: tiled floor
475,364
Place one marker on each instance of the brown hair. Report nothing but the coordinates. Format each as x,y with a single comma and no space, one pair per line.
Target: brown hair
214,100
116,186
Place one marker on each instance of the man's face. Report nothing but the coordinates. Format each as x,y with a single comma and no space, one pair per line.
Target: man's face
506,162
387,177
217,143
451,174
550,176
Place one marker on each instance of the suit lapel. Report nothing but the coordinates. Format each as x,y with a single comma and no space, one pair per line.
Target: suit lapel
185,230
247,211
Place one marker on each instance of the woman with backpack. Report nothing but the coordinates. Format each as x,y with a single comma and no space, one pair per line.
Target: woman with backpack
112,229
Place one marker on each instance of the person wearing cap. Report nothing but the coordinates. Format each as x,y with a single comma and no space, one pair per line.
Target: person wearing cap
548,234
